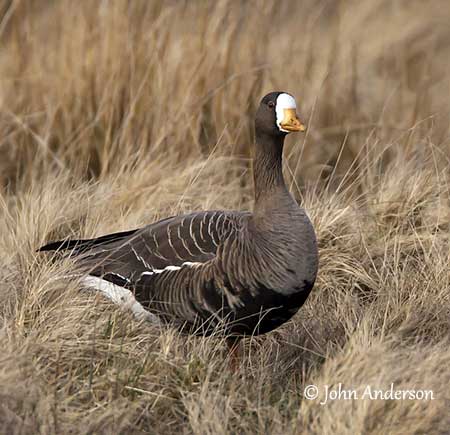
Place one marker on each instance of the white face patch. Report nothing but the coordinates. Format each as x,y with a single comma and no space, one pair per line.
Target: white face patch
284,101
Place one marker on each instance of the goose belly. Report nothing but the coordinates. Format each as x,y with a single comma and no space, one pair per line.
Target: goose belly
257,312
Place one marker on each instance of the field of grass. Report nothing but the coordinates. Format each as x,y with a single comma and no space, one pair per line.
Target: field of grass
114,114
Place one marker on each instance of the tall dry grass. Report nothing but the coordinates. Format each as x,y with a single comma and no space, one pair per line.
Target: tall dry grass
114,114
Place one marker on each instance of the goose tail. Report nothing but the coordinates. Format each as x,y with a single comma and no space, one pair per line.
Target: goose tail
62,245
78,246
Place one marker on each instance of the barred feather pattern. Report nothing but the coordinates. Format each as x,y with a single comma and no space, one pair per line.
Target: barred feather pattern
210,270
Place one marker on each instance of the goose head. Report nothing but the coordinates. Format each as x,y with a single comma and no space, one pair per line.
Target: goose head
277,115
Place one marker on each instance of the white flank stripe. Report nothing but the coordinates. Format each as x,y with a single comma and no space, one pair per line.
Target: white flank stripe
191,264
121,296
156,271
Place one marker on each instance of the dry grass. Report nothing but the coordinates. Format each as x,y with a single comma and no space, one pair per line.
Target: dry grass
114,114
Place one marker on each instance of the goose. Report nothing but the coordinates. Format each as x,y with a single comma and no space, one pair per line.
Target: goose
244,273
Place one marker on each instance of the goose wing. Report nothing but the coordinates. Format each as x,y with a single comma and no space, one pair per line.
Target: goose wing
170,266
123,257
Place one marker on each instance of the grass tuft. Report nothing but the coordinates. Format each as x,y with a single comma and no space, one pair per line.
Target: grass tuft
116,114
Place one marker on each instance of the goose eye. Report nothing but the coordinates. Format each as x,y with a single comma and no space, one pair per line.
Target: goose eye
271,104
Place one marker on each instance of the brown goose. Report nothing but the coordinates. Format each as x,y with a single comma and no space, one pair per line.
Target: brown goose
246,273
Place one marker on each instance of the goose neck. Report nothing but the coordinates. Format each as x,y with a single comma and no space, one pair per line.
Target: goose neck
267,169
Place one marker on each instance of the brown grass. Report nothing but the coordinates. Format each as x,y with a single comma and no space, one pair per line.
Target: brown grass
114,114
